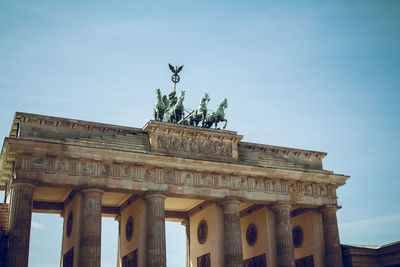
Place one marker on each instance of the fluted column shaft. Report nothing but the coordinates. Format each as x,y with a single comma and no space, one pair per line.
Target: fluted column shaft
284,238
156,254
19,224
233,254
333,252
90,242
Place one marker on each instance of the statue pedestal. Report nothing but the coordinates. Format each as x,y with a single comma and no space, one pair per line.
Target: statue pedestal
192,141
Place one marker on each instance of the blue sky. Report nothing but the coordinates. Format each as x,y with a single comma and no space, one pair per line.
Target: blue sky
315,75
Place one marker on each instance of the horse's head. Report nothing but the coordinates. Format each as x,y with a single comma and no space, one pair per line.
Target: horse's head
223,103
158,91
206,97
182,94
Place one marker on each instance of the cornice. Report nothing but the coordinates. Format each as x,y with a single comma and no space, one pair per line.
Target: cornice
284,150
67,123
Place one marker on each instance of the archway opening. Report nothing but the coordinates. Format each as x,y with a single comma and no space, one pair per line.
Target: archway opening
176,244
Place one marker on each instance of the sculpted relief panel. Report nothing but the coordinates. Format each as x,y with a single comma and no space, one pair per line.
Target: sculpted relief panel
194,145
206,180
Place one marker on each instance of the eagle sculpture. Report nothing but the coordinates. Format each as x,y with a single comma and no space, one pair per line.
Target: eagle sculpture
175,70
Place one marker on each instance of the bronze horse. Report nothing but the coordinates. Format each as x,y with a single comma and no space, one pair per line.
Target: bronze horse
217,116
159,107
176,112
199,115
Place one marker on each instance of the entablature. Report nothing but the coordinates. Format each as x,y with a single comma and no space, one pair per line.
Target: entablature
65,165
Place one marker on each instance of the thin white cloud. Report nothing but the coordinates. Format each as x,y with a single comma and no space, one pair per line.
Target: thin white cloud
371,231
372,222
37,225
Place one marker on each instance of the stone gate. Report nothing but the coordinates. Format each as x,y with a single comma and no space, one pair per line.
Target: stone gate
243,204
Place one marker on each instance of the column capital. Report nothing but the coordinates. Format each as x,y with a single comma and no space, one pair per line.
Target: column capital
155,194
281,204
329,208
22,183
185,222
91,189
118,218
230,200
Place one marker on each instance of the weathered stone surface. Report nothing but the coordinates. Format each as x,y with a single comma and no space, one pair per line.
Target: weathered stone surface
333,253
90,243
284,239
19,225
156,254
232,234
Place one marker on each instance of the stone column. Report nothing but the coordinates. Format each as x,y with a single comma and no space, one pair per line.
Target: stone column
156,254
284,238
186,223
333,252
233,254
19,223
90,240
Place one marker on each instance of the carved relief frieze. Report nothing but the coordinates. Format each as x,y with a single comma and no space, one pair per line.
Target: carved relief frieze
241,182
38,163
225,181
276,186
194,145
62,165
168,176
106,170
292,188
260,184
187,178
148,174
85,167
323,190
180,177
205,179
127,171
307,189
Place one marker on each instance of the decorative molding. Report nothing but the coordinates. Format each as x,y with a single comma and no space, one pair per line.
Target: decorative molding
71,123
92,168
284,150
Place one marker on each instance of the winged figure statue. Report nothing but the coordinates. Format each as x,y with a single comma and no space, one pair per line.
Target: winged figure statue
175,70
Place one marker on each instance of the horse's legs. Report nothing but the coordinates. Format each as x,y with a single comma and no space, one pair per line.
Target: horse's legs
226,122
